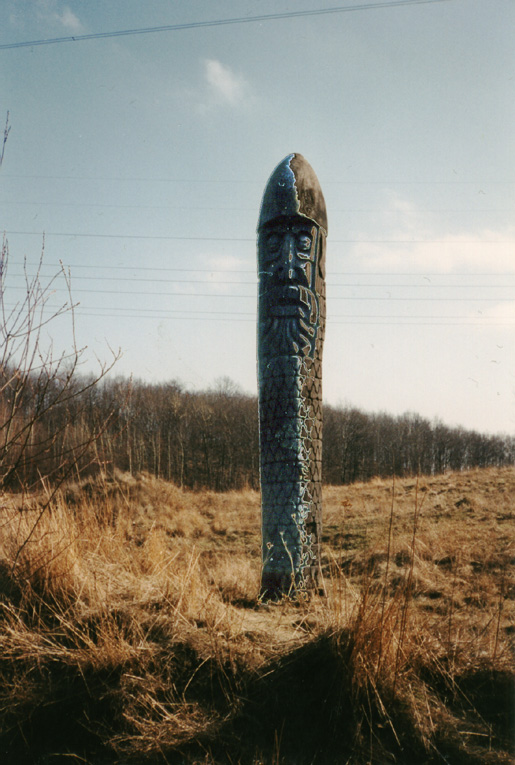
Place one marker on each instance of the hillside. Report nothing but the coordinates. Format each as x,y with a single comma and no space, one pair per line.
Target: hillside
132,633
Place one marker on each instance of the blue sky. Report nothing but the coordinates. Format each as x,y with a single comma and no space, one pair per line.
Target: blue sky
143,158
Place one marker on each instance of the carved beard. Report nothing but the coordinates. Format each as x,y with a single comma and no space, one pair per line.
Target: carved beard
287,336
285,331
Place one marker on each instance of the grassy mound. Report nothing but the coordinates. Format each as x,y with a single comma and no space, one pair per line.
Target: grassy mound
131,630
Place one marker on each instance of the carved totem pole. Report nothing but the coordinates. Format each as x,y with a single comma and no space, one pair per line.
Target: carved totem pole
292,232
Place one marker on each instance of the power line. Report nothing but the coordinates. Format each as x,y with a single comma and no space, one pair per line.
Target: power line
183,312
406,319
152,237
242,209
187,312
253,270
353,323
132,236
254,282
240,181
253,296
219,22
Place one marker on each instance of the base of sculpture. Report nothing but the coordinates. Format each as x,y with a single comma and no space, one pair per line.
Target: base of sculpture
275,587
290,459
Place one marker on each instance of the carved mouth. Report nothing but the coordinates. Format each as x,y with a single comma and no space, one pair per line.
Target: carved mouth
287,301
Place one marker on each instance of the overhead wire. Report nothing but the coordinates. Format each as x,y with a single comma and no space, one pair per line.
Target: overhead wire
170,206
354,323
244,181
201,315
151,237
218,22
419,274
254,282
247,297
165,311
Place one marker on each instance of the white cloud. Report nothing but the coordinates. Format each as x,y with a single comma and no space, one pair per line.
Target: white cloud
502,312
486,251
48,12
227,263
421,241
224,82
69,20
224,87
229,272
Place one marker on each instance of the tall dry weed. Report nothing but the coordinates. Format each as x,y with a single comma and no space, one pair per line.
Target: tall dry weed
133,612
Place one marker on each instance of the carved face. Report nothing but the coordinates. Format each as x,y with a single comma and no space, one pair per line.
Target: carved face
288,267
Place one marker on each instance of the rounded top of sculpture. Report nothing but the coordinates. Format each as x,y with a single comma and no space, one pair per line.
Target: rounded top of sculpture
293,189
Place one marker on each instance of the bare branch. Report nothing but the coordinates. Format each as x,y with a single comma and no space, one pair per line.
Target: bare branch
43,399
7,130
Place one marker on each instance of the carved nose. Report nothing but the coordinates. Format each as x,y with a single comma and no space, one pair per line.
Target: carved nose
285,271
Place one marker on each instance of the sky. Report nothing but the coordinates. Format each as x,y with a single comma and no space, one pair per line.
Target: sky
142,158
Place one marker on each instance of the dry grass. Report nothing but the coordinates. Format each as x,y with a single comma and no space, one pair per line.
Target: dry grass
131,630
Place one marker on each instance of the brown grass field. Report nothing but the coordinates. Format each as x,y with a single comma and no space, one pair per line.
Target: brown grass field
131,630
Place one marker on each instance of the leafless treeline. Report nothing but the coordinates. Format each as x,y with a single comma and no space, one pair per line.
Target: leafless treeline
210,439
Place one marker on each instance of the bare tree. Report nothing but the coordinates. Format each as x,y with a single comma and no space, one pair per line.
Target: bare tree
46,432
7,130
42,394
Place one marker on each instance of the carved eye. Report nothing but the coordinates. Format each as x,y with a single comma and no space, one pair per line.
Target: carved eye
304,242
273,242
